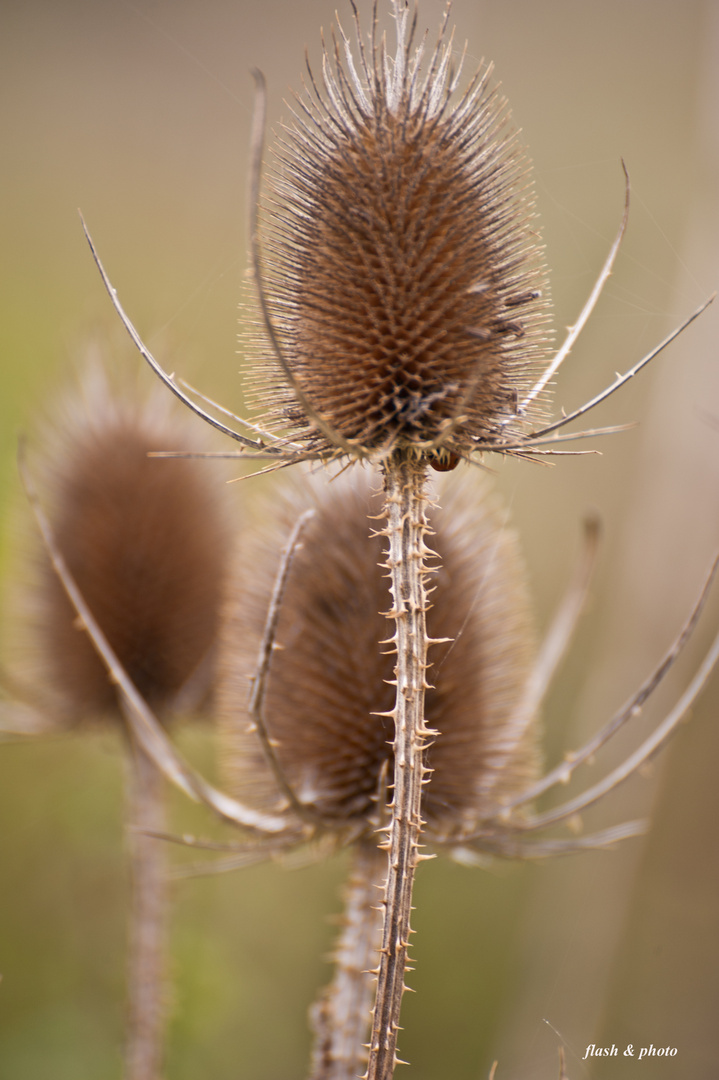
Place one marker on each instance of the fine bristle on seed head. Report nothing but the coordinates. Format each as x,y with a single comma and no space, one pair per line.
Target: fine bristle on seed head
402,263
330,674
146,541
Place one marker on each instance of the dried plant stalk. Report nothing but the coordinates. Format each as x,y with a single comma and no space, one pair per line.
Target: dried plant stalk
341,1018
495,824
406,531
148,919
145,544
328,709
402,320
404,311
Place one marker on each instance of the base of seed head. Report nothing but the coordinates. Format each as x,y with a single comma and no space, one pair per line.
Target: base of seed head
329,694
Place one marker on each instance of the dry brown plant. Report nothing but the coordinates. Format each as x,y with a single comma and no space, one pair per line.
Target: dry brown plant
147,543
402,321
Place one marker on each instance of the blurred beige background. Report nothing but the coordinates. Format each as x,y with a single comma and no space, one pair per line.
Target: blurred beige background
139,113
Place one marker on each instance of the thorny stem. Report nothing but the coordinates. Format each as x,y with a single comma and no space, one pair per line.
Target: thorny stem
341,1018
405,530
148,919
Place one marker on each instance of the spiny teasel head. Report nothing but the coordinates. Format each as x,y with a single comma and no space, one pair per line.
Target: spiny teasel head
146,541
403,272
329,673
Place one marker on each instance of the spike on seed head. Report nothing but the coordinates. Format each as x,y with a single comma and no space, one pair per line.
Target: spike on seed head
329,696
146,541
403,270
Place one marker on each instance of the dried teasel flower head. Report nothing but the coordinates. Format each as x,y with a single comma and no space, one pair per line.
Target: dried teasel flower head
146,541
329,682
403,273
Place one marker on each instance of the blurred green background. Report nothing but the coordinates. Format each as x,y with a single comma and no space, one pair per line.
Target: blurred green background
139,113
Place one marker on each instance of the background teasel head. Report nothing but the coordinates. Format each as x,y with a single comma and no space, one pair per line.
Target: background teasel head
403,272
328,676
146,540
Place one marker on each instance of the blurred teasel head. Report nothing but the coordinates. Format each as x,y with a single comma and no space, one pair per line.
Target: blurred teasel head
402,272
329,683
146,541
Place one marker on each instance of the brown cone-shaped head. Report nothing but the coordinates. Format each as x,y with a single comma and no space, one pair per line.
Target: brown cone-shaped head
330,675
403,265
146,541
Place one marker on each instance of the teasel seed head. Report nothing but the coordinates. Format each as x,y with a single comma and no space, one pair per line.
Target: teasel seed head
146,540
329,676
403,270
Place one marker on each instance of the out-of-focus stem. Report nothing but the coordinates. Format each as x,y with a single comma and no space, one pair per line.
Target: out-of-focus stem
146,965
342,1017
